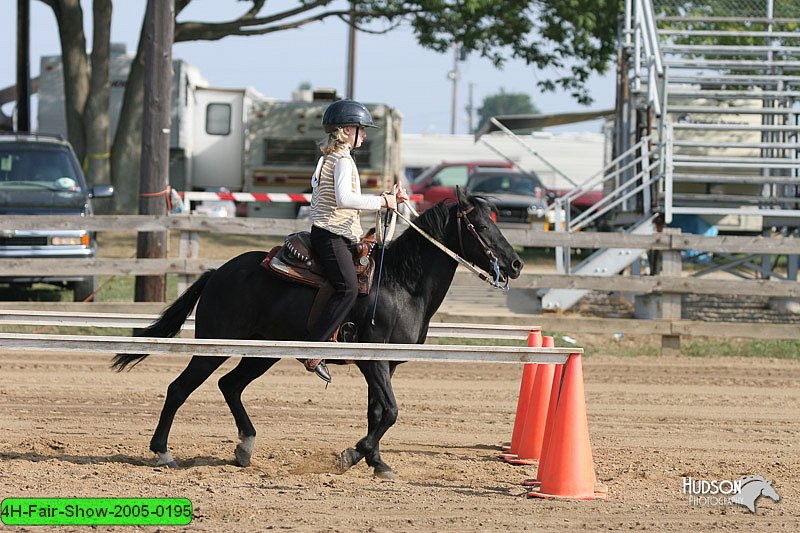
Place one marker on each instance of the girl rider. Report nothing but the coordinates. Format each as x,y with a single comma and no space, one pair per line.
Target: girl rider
336,205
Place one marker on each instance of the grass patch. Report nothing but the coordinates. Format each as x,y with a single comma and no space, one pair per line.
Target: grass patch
558,337
777,349
121,288
547,256
67,330
632,346
109,289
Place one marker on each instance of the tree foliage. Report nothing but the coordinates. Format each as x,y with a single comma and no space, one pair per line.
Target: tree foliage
504,103
562,39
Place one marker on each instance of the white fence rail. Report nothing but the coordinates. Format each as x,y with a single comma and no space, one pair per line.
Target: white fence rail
292,349
124,320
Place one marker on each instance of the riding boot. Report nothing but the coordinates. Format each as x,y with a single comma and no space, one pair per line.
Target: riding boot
319,367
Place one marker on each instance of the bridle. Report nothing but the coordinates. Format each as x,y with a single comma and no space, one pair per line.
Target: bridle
461,215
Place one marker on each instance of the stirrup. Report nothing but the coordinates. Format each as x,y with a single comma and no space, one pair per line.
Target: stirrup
322,372
347,332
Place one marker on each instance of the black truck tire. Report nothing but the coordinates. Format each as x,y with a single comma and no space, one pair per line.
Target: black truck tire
81,290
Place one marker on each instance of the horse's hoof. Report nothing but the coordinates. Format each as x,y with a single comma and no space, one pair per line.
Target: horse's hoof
242,456
165,459
244,450
385,475
346,460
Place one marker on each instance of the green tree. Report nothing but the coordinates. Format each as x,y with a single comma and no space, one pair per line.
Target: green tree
546,34
504,103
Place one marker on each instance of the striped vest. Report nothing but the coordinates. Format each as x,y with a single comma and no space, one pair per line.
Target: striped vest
324,211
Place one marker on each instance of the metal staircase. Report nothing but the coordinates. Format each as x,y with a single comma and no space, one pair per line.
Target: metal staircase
707,124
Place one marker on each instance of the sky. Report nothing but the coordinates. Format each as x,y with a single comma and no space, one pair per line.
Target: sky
390,68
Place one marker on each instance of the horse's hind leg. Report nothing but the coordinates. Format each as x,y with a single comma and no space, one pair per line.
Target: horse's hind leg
193,376
232,384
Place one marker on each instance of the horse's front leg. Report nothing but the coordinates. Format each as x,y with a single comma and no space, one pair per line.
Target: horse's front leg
381,415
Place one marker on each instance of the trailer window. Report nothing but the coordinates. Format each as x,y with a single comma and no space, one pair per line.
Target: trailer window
218,119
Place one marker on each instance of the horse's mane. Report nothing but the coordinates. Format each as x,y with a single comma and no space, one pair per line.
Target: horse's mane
402,254
411,244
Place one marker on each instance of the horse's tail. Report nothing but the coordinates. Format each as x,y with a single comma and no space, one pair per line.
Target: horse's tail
168,324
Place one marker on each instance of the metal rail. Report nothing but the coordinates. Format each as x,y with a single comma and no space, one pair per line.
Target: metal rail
290,349
121,320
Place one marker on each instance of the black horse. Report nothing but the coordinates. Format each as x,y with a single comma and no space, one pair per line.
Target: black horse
242,300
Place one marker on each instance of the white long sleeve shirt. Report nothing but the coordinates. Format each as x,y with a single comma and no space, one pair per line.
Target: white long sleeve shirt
348,190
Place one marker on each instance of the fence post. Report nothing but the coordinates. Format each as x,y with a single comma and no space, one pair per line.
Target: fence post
671,302
188,248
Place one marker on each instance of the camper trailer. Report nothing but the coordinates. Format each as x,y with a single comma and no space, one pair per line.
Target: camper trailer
284,148
237,139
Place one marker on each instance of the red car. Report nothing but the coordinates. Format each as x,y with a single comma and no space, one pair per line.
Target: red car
439,182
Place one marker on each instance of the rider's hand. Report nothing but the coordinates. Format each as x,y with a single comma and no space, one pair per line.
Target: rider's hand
400,193
390,202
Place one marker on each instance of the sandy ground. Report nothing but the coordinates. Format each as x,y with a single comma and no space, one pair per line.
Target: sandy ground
71,427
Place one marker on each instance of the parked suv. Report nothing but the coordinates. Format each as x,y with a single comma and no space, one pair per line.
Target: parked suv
40,175
520,198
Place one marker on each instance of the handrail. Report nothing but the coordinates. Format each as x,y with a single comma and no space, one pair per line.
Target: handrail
639,188
622,164
640,37
602,175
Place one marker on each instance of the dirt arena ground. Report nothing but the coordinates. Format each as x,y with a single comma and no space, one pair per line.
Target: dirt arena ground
71,427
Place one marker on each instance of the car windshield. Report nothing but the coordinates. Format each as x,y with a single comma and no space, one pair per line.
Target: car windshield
36,167
424,174
505,184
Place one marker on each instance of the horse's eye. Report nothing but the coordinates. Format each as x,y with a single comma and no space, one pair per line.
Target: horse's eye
482,227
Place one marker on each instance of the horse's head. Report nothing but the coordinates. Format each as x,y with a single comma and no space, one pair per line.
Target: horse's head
769,491
478,239
752,488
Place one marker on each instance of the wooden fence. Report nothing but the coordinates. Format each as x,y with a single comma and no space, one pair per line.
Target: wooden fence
130,314
671,283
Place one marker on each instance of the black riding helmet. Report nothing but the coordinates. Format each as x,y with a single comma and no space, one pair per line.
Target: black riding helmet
346,113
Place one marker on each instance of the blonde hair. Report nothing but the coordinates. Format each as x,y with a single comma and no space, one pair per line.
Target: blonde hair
335,141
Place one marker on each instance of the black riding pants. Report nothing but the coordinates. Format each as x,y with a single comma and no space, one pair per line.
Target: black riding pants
333,252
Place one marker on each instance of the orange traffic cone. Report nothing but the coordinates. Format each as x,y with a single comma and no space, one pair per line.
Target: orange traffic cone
530,448
525,387
548,428
570,467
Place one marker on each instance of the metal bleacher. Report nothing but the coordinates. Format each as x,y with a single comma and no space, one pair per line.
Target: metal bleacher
707,124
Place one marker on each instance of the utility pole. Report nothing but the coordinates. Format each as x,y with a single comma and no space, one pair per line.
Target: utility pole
470,108
351,53
453,76
158,34
23,65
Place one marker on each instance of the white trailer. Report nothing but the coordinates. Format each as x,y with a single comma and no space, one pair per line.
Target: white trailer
238,139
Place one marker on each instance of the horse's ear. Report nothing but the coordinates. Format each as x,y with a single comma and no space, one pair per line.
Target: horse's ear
461,197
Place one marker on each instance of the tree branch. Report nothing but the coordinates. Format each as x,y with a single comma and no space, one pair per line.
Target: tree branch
206,31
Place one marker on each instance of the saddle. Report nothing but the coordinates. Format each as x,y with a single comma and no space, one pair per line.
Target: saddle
295,261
